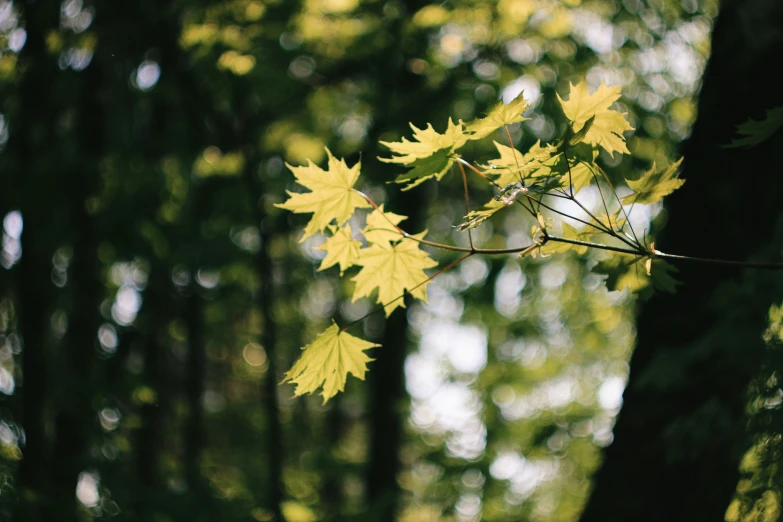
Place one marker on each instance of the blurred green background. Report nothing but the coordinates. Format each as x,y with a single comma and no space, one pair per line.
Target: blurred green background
151,295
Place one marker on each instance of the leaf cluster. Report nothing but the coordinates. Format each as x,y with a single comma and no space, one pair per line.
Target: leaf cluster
391,262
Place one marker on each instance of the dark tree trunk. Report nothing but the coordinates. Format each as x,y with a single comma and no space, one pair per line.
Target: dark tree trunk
265,300
150,436
681,432
75,419
196,375
27,148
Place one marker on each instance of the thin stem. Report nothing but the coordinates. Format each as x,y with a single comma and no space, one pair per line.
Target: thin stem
430,278
469,250
723,262
622,250
475,170
627,214
467,199
570,178
601,193
559,212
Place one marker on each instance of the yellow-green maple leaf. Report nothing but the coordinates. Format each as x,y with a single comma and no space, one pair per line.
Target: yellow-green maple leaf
333,197
654,185
393,269
327,361
379,228
500,115
428,142
512,165
608,126
340,248
477,216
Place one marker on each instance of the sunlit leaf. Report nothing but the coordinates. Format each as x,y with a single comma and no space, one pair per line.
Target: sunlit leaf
500,115
393,270
340,248
379,228
512,165
427,143
481,214
327,361
332,198
608,126
654,185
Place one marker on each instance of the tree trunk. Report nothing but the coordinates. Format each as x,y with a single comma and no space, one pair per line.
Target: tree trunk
681,432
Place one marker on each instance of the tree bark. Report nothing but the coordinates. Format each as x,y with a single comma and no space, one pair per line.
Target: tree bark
681,432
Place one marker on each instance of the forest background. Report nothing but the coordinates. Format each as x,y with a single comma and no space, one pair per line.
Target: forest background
152,295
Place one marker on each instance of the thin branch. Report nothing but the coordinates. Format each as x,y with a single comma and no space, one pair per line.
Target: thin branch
722,262
570,178
600,246
627,214
467,199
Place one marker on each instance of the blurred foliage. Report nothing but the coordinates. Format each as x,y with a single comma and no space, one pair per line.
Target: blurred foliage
168,126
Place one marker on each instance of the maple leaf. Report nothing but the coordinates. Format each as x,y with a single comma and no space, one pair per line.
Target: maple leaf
340,248
513,166
636,274
393,269
327,361
500,115
333,197
755,132
435,166
428,142
477,216
430,156
579,158
379,228
608,125
653,186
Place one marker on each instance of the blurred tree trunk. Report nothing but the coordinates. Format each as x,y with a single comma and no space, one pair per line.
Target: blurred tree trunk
150,436
76,416
265,300
27,149
681,432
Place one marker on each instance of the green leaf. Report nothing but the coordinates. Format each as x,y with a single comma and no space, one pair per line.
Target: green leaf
435,166
654,186
327,361
333,197
637,273
500,115
393,270
623,271
755,132
340,248
662,277
608,125
581,158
